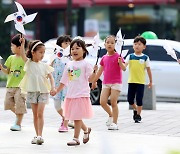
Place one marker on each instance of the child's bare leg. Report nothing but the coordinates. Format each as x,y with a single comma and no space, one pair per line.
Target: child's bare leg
104,99
114,98
139,109
35,117
40,112
77,128
19,118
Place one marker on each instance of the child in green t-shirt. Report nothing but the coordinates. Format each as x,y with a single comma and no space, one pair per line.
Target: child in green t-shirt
14,100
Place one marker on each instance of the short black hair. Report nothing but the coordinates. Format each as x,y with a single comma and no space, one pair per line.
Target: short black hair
63,38
140,38
15,40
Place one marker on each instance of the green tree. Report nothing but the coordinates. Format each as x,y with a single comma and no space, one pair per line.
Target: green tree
5,30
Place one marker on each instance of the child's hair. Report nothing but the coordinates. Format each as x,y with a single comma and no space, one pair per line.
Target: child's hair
109,37
141,39
15,40
33,46
63,38
79,43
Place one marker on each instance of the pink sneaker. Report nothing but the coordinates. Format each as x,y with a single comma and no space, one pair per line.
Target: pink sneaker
62,128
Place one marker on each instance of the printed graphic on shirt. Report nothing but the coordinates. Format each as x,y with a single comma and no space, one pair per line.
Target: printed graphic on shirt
16,73
74,73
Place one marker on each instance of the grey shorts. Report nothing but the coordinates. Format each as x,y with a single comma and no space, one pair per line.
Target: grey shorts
37,97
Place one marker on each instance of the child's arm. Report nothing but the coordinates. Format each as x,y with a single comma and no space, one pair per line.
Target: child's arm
4,70
92,76
98,74
53,91
23,55
121,64
150,77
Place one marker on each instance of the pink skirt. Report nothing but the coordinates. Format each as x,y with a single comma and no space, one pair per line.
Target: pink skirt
77,108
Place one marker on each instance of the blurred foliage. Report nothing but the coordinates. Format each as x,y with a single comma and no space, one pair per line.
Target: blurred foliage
5,29
174,152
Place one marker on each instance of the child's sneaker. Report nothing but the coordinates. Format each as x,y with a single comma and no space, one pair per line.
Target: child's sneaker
137,118
109,121
71,124
62,128
40,140
113,126
15,128
134,114
34,140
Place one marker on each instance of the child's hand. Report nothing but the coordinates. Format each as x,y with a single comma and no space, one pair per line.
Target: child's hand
178,61
94,85
53,92
150,85
119,60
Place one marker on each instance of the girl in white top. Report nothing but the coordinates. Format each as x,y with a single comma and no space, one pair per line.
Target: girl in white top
35,84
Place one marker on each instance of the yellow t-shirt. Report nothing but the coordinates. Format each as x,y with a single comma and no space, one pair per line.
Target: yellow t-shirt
137,66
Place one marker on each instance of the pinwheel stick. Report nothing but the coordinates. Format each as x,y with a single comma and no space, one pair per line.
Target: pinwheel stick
97,57
122,44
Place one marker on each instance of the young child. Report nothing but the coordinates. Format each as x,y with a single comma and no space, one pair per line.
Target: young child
77,105
63,41
111,66
14,100
138,63
35,83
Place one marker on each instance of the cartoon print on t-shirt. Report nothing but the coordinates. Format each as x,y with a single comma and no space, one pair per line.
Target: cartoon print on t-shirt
73,73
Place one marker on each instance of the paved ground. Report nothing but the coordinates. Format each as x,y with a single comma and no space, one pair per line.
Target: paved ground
158,133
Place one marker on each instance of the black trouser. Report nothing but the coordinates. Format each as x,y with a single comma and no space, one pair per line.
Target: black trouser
135,90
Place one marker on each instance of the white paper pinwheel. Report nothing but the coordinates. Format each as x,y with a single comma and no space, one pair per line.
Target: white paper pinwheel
119,42
170,51
20,18
1,58
93,50
61,53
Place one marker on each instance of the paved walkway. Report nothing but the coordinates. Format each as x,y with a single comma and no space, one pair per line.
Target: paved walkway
158,133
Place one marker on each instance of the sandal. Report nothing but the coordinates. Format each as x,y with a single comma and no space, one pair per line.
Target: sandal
74,142
85,140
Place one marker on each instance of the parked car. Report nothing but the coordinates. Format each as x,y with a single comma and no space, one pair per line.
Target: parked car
165,70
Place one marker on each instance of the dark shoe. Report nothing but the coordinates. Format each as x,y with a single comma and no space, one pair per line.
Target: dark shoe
74,142
137,118
85,140
134,114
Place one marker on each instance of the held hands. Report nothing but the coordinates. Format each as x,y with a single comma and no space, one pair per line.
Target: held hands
53,92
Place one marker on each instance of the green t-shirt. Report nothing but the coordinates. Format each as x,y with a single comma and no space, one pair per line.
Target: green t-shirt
15,65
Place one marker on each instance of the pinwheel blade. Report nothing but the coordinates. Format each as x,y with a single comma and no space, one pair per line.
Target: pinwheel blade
20,9
119,41
124,53
1,58
170,51
30,18
10,18
20,28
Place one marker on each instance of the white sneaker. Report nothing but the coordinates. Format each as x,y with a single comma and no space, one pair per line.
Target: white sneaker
71,124
40,140
34,140
113,126
109,121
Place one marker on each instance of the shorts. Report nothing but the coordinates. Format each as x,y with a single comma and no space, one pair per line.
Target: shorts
37,97
116,86
15,100
57,104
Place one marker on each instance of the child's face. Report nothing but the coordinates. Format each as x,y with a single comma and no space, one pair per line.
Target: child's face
15,49
110,44
77,52
64,45
138,47
38,54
